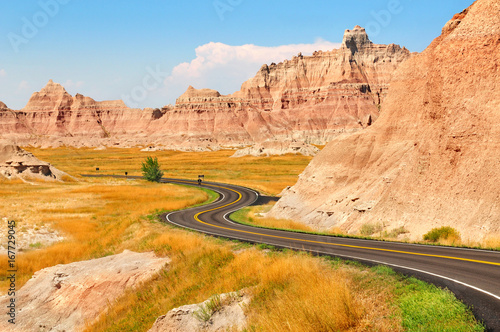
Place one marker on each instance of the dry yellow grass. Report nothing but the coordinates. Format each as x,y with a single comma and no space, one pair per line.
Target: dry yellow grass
492,242
94,216
268,175
292,292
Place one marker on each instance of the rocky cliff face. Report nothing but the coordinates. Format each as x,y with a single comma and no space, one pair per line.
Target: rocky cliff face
432,158
308,98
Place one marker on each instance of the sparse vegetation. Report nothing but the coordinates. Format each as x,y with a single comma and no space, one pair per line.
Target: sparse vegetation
151,169
445,233
370,229
206,310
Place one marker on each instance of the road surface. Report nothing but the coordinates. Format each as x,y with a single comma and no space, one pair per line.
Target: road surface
472,275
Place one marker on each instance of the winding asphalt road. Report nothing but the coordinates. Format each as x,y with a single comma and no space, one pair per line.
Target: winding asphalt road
472,275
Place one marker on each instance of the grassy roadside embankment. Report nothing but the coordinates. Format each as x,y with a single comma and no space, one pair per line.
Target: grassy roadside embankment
292,291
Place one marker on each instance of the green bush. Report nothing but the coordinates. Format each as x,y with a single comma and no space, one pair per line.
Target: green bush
442,233
151,169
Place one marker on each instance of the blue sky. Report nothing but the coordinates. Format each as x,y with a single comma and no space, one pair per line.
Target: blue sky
148,52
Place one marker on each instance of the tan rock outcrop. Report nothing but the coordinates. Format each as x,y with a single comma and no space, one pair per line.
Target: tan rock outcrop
277,148
3,107
433,157
66,297
308,98
223,312
18,163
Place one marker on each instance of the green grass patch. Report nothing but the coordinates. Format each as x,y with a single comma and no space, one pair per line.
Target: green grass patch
425,307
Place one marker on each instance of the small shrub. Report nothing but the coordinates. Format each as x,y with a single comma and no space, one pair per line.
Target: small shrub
369,229
151,169
442,233
36,245
206,310
397,231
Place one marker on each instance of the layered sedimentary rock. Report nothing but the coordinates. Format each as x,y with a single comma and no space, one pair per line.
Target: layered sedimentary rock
308,98
53,115
433,156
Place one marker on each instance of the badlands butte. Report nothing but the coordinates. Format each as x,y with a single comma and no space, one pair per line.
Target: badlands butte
309,99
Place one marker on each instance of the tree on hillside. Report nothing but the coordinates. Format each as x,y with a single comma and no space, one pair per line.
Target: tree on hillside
151,169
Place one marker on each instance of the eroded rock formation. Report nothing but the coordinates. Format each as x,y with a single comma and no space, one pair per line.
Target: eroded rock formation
308,98
66,297
433,156
18,163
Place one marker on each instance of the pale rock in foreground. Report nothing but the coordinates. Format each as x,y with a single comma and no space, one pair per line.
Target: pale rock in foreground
65,297
432,158
229,317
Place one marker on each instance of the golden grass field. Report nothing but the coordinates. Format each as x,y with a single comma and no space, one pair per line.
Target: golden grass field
292,291
268,175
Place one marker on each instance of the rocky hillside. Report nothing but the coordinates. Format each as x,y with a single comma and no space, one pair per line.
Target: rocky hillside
433,156
308,98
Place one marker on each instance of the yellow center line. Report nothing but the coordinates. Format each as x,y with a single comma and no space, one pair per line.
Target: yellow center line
196,217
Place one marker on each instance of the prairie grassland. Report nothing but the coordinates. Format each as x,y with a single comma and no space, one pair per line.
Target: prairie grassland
292,291
95,216
268,175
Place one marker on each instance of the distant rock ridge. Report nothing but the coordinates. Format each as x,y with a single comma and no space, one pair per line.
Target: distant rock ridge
53,97
311,99
432,157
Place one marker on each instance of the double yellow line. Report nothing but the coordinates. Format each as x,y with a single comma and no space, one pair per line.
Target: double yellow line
196,217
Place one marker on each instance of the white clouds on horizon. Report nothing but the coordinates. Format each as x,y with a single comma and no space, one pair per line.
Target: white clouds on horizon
3,73
224,67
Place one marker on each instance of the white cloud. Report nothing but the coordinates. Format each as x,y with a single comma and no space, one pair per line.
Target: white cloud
70,84
24,85
3,73
225,67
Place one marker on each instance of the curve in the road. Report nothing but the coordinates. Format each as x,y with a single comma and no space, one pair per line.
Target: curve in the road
473,275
